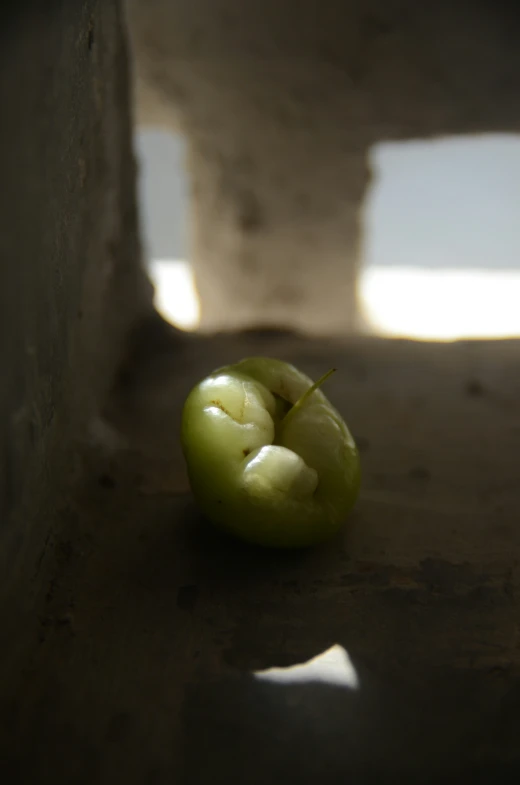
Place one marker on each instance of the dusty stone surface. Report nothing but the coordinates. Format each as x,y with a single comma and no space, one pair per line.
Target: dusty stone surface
70,278
281,104
151,624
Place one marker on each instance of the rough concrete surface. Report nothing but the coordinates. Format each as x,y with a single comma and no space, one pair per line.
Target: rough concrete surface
151,624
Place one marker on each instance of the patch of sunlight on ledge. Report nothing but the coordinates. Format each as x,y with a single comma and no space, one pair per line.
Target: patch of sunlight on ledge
442,305
176,296
332,667
404,302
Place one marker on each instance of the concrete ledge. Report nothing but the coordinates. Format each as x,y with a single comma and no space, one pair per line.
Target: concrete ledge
151,625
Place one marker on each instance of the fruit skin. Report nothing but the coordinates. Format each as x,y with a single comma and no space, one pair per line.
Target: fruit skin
276,483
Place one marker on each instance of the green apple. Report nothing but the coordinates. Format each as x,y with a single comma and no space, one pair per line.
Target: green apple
269,459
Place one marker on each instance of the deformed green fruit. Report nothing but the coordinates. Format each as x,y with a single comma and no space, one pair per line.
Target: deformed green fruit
270,460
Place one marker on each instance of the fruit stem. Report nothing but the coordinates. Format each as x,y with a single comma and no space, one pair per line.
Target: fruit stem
306,395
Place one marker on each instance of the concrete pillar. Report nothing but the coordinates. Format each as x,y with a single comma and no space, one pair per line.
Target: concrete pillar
71,283
276,222
278,161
